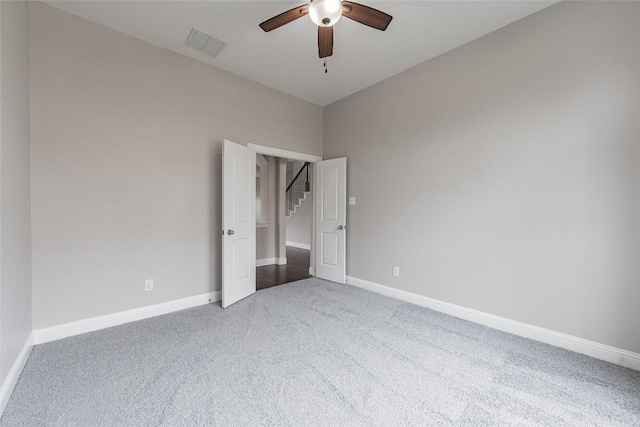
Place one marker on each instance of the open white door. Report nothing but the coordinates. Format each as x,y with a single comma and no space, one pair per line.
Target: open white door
238,222
331,218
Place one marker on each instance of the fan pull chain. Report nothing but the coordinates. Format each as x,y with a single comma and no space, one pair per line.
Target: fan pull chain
325,65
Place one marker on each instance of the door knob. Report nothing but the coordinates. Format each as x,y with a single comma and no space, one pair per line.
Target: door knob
230,232
340,227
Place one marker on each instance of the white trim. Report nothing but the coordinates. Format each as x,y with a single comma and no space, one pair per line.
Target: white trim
271,261
299,245
284,154
310,271
605,352
53,333
266,261
16,369
30,262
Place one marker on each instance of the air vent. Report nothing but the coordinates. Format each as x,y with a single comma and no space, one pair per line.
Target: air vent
205,43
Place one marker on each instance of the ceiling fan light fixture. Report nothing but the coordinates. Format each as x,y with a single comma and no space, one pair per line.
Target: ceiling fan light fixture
325,13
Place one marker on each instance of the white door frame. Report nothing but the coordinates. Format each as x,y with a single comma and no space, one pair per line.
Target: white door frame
302,157
285,154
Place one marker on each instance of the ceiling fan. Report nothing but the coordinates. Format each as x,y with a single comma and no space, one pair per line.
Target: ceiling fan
325,13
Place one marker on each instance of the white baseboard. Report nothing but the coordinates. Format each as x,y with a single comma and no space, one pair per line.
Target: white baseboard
605,352
53,333
299,245
266,261
14,373
310,271
271,261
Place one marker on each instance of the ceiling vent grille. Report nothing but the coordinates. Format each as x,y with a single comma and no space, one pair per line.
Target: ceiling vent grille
205,43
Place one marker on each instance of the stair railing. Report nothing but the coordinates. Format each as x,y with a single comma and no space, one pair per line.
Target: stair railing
297,188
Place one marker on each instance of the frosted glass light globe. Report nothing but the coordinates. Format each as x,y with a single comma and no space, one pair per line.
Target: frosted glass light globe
325,13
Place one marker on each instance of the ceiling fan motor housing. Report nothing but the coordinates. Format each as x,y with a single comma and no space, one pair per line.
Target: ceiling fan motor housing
325,13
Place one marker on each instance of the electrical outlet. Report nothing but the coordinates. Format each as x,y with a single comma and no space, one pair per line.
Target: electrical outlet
352,201
396,271
148,285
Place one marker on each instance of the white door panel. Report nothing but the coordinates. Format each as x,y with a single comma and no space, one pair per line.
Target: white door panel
239,222
330,249
331,216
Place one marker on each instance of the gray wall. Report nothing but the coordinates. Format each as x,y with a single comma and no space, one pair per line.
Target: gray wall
292,170
267,237
126,165
15,199
503,176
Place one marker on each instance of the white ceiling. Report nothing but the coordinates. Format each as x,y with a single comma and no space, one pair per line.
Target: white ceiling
287,58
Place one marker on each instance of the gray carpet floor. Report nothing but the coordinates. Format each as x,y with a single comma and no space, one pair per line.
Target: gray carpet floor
315,353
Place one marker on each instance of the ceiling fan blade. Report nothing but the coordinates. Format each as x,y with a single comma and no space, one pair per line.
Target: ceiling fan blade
284,18
366,15
325,41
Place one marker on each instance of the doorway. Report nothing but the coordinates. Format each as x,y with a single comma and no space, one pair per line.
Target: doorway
284,211
243,176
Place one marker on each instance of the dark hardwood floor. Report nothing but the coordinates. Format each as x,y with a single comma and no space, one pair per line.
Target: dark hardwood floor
297,268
